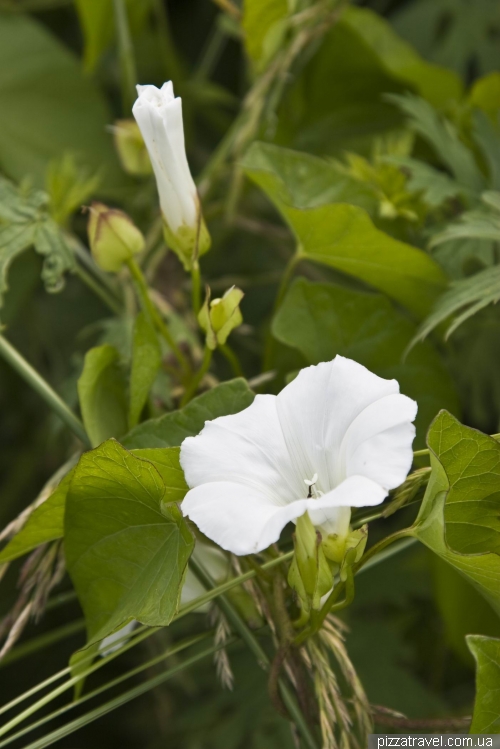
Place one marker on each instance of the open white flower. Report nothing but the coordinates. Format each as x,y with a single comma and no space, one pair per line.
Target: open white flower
336,437
159,116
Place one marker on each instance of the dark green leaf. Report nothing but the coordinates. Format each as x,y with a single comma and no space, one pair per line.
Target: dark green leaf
102,393
486,651
343,237
146,360
126,552
322,320
48,106
172,429
458,519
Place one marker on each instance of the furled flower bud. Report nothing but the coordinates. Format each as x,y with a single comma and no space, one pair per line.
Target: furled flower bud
220,316
310,573
113,237
159,115
131,148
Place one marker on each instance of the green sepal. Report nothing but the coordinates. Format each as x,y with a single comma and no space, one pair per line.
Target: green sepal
188,242
310,573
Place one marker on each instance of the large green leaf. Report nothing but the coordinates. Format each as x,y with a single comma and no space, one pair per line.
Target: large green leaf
458,519
322,320
25,223
102,393
337,102
126,551
170,430
343,237
305,181
166,461
46,523
47,105
146,360
486,651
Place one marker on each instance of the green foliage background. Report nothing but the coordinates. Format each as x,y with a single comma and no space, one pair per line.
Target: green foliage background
378,154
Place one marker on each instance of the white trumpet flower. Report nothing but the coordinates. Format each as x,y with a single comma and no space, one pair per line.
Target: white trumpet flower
159,116
337,437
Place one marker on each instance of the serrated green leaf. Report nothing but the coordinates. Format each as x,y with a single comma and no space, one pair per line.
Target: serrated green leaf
102,394
455,517
25,223
126,553
46,523
443,137
469,295
146,360
323,320
435,186
173,428
343,237
48,106
486,651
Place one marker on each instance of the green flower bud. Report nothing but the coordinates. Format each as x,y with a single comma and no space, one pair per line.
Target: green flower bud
310,574
220,316
113,237
131,148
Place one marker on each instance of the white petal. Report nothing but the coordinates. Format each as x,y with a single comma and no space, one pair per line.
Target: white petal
238,518
246,448
378,444
108,646
318,407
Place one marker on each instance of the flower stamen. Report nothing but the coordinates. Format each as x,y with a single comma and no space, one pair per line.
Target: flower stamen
310,483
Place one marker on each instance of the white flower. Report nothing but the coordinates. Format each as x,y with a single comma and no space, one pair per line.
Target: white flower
336,437
159,116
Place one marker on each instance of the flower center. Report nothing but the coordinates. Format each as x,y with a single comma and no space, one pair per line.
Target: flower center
312,493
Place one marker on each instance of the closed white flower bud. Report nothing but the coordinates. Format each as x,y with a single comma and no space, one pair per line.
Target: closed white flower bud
159,116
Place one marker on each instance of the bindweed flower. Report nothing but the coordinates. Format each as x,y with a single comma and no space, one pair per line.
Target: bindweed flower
113,237
337,437
131,148
159,116
220,316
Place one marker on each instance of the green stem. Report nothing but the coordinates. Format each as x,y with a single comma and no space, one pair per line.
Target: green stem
254,646
211,54
98,290
154,314
122,699
179,647
381,545
233,360
200,374
42,641
196,287
128,71
36,381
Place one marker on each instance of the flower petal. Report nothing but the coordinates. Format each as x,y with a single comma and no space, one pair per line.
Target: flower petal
378,444
246,448
317,409
237,517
